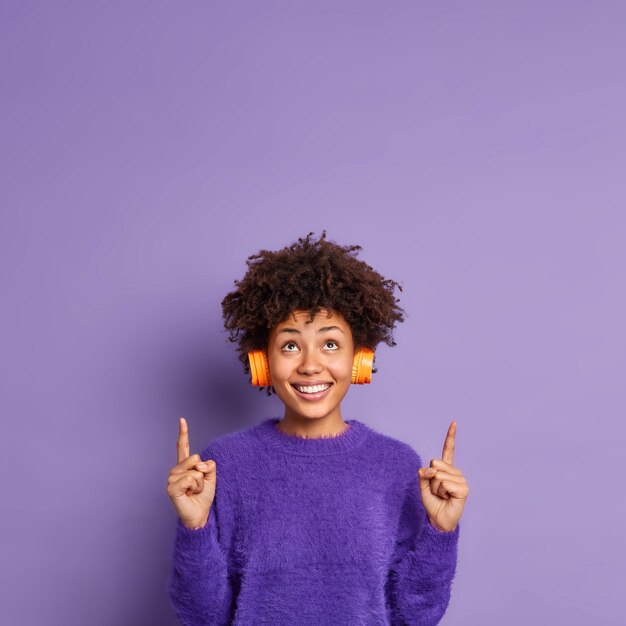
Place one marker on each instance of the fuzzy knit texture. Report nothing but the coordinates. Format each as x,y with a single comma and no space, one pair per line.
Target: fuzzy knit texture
319,532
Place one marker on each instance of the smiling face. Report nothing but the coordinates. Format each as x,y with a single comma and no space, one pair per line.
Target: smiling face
311,365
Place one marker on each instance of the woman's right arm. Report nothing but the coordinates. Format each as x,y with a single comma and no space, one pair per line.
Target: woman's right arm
198,587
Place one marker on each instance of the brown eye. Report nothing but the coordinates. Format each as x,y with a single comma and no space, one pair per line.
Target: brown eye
291,343
333,342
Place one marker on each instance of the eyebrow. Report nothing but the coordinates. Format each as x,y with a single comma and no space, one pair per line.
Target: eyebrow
324,329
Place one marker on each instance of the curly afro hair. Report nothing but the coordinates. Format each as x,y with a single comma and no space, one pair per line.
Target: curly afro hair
310,275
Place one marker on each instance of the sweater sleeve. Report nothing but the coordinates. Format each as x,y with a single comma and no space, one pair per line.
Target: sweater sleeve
424,564
198,586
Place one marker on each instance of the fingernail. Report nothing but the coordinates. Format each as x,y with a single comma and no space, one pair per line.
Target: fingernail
202,465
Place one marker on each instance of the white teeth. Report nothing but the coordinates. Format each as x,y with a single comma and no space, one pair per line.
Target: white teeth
311,389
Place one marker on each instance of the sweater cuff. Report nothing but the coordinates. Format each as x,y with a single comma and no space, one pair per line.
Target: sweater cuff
434,542
197,541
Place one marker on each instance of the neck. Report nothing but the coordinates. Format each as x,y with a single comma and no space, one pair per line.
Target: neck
312,428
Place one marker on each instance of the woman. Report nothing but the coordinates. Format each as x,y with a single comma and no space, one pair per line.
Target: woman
314,519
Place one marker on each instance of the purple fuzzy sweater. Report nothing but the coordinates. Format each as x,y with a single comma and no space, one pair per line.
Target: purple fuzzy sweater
317,532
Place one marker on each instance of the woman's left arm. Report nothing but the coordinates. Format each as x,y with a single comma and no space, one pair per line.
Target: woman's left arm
420,580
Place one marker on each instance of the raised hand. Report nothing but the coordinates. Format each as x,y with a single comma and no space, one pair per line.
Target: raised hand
191,483
443,488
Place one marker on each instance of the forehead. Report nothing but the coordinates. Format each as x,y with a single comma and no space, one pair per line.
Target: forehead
301,319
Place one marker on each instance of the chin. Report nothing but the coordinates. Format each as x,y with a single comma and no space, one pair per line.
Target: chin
310,414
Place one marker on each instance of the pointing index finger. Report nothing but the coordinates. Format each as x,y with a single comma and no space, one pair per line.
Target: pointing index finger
182,445
448,445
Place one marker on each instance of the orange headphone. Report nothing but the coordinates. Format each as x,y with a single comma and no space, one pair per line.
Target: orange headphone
361,367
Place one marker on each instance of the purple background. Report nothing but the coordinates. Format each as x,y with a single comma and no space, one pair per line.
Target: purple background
475,150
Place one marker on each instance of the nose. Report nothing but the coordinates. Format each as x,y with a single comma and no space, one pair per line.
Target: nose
310,363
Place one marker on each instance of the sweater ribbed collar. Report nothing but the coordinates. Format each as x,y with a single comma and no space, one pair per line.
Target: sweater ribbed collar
349,439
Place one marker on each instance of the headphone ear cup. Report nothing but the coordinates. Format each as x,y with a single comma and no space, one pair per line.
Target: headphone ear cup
362,366
259,368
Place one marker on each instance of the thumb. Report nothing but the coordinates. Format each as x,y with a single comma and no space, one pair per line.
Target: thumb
207,468
425,474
